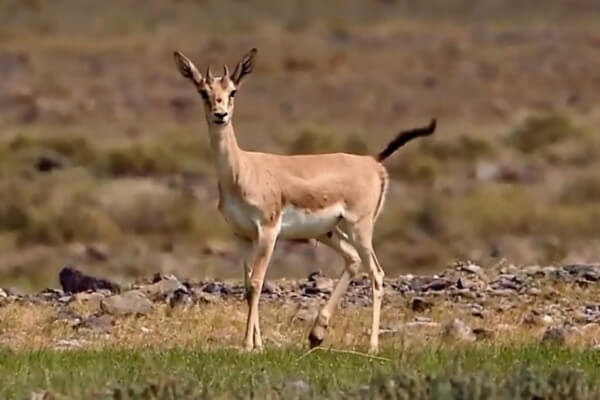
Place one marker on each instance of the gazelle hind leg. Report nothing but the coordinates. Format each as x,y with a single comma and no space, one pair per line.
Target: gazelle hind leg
360,236
352,264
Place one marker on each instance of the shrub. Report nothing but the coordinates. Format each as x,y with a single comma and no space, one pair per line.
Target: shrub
540,131
465,147
583,188
313,141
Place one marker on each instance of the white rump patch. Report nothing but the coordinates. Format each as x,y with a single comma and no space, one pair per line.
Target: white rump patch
298,223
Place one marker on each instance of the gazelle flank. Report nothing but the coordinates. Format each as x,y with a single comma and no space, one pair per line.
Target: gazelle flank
333,198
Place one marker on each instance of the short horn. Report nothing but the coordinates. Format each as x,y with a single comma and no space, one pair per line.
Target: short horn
209,76
225,71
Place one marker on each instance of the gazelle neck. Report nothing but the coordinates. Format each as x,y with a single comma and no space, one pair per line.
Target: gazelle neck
226,152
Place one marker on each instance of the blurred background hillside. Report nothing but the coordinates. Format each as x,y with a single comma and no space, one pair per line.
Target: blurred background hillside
104,162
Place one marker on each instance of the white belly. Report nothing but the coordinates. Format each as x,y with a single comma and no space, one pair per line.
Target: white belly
298,223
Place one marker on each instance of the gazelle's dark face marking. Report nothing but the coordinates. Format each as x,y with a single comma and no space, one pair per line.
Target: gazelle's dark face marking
217,93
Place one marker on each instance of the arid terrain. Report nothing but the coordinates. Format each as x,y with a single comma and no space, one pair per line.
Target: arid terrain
105,167
104,155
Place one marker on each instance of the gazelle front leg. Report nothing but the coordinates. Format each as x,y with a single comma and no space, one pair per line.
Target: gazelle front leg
245,250
256,268
352,260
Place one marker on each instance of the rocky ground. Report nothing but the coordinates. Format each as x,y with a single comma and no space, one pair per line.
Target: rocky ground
466,302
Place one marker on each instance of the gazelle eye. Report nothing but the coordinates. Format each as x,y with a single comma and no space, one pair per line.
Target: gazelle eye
204,94
232,94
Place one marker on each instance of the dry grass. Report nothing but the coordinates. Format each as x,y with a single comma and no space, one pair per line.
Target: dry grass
285,324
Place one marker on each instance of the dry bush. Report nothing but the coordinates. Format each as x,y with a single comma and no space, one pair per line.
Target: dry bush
583,188
313,140
465,147
539,132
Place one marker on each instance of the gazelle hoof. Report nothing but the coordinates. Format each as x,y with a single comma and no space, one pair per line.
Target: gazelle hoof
315,339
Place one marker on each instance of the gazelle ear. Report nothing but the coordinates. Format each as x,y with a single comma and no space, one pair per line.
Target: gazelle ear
244,67
187,68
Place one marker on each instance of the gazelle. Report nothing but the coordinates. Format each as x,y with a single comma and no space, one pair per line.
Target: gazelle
333,198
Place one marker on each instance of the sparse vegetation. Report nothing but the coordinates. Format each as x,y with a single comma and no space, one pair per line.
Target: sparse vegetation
538,132
95,92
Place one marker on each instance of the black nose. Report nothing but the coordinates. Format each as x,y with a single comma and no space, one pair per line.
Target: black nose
220,115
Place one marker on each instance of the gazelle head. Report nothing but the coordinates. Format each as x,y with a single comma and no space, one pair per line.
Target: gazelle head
217,92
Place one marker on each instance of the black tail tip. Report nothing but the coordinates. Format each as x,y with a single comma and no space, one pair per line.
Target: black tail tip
431,127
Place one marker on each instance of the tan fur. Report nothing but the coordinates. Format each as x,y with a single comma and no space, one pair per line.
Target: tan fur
334,198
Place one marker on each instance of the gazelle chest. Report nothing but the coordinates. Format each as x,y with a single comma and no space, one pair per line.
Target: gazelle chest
238,214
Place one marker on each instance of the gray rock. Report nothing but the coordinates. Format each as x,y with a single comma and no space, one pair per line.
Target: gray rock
269,288
97,323
419,304
69,344
296,388
458,330
425,284
324,284
14,292
133,302
471,268
200,296
554,335
589,272
43,395
305,314
483,333
93,298
216,287
163,288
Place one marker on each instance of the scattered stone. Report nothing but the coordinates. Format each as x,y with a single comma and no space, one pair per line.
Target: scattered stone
96,323
133,302
216,287
419,325
589,272
419,304
93,298
41,396
51,294
317,284
68,344
296,388
324,284
306,314
458,330
14,292
424,284
164,288
75,281
554,335
269,288
200,296
483,333
471,268
50,161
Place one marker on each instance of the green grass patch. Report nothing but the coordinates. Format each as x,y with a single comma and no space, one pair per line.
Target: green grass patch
480,372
